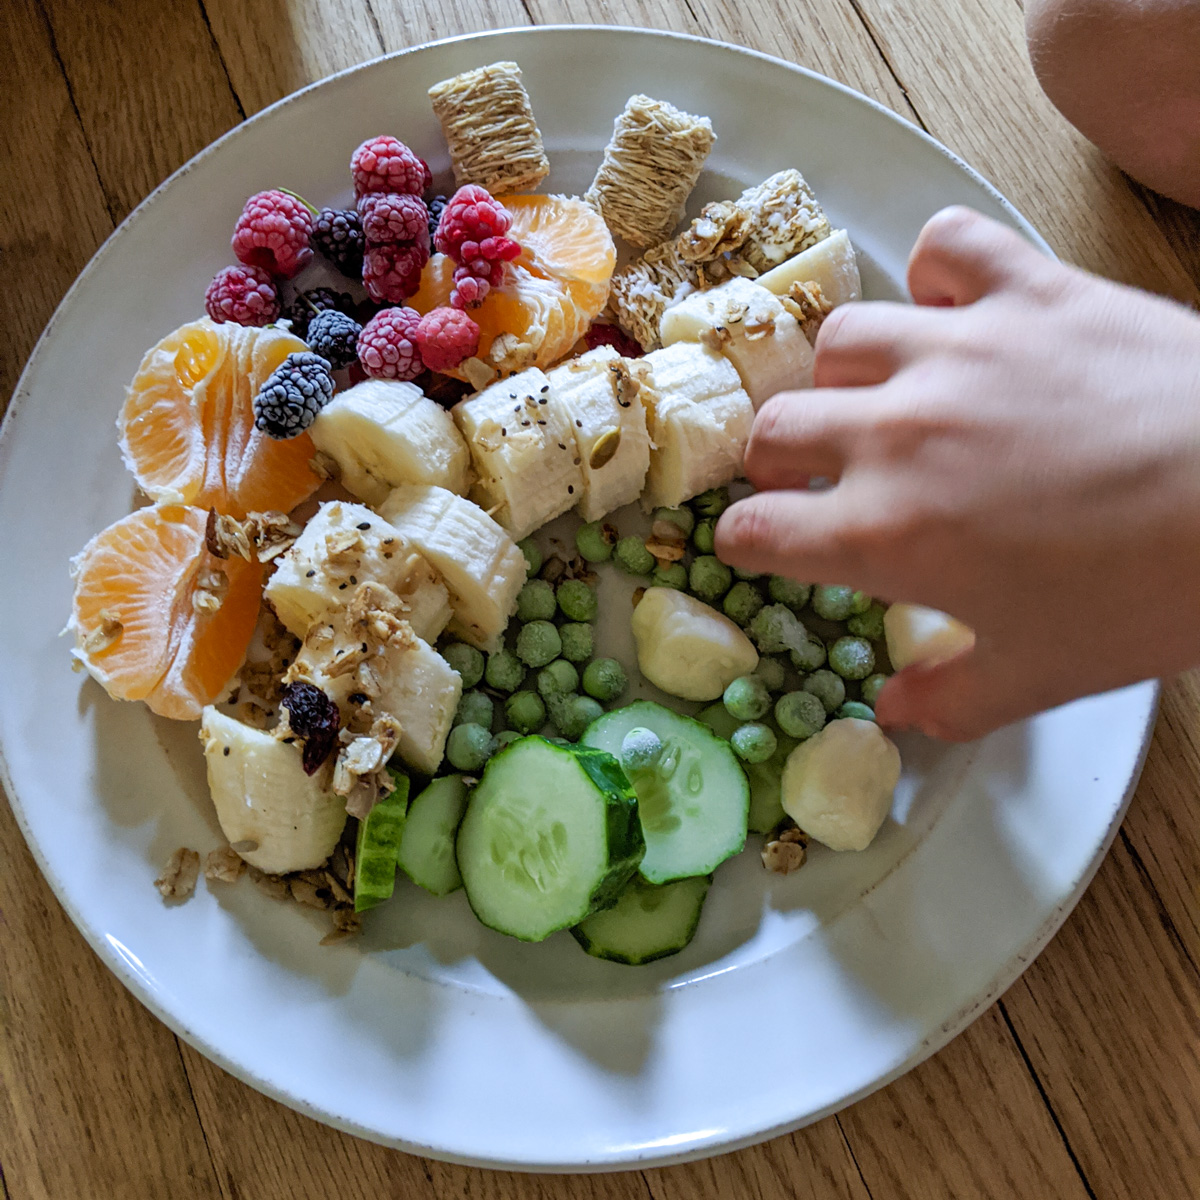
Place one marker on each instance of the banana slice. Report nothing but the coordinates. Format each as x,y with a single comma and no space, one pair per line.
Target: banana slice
830,263
699,418
523,450
916,634
382,433
479,562
687,648
610,431
276,817
749,326
346,544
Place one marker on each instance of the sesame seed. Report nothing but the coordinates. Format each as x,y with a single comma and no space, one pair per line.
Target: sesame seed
503,432
543,400
226,751
388,541
353,580
545,389
363,525
541,422
578,423
561,446
309,574
342,587
287,741
364,647
570,489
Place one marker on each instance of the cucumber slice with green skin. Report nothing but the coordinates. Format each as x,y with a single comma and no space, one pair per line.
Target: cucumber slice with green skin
427,847
693,806
379,836
766,802
550,835
648,921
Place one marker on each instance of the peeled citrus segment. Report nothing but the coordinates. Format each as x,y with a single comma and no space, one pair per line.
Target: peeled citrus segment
552,293
187,426
156,617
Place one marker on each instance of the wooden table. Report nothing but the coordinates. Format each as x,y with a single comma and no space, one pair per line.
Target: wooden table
1083,1081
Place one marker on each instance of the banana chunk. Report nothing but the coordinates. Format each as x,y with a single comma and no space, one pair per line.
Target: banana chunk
699,419
609,428
523,449
276,817
382,433
750,327
478,560
830,264
687,648
916,634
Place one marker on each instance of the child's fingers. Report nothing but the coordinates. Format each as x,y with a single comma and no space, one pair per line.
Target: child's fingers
867,343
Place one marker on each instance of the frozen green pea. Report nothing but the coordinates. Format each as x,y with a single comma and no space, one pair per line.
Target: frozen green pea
709,578
682,518
832,601
852,657
754,742
559,678
799,714
525,711
810,656
703,536
673,575
505,737
828,688
468,747
475,708
535,601
858,710
742,603
573,714
711,503
859,603
577,642
871,687
868,624
641,750
538,643
466,660
595,541
577,600
776,628
772,672
604,679
505,671
788,591
632,556
533,556
747,698
749,576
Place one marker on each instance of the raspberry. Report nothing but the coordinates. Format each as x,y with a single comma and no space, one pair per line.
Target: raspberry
474,225
385,164
243,295
290,398
601,334
391,219
469,291
436,206
445,337
301,309
334,336
338,235
273,232
393,273
387,346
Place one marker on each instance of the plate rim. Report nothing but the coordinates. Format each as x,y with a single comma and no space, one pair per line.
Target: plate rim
698,1148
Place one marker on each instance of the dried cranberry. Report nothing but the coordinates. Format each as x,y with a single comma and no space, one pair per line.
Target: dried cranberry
601,334
314,717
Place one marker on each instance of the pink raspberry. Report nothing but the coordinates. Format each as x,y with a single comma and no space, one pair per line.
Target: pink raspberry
469,290
393,273
601,334
389,218
445,337
473,225
386,164
243,295
387,346
273,232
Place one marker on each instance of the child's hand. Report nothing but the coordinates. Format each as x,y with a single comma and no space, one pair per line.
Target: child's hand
1026,458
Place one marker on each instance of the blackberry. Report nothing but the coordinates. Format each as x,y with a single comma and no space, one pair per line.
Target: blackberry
334,336
313,716
289,400
338,235
435,213
303,306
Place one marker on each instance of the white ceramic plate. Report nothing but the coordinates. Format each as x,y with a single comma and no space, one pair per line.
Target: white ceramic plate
432,1033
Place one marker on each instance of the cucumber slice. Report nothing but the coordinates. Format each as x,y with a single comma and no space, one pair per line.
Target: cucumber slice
648,921
378,845
765,779
550,835
693,806
427,847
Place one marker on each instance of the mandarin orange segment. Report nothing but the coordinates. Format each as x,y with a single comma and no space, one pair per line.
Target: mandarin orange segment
187,425
156,617
552,293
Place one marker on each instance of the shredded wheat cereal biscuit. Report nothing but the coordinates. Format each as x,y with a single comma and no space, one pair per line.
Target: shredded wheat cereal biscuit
488,124
650,165
640,293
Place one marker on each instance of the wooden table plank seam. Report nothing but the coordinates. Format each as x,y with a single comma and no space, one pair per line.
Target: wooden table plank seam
221,57
374,17
887,62
222,1189
837,1120
1162,911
